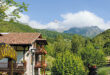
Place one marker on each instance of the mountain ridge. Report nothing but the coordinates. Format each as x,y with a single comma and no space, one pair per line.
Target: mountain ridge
85,31
6,26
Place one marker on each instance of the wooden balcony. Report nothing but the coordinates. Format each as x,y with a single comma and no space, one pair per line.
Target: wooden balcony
17,67
41,51
40,64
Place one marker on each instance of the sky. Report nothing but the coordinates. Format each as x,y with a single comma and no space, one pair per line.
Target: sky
61,15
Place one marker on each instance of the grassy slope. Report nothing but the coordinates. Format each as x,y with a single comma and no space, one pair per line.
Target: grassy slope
18,27
53,34
104,71
15,27
102,38
105,35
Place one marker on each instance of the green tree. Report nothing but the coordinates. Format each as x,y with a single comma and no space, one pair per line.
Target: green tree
91,56
77,43
6,4
61,44
50,49
68,64
107,48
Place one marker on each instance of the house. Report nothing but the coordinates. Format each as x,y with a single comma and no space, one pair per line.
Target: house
30,53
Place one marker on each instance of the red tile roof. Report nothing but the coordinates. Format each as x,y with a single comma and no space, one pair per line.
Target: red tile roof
19,38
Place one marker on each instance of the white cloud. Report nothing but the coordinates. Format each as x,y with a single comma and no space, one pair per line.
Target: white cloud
79,19
9,12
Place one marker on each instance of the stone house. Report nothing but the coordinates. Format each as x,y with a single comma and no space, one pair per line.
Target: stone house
30,53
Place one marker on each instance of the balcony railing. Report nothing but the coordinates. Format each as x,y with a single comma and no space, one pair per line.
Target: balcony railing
17,67
40,64
41,51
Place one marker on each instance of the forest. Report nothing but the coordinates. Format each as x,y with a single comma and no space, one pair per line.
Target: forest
72,56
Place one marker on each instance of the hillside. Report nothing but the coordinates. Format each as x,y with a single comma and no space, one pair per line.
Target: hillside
103,41
18,27
14,27
53,34
85,31
102,38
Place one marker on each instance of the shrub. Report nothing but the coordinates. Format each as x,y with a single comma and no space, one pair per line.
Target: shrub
68,64
91,56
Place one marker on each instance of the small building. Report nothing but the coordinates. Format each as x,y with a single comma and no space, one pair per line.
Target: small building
30,53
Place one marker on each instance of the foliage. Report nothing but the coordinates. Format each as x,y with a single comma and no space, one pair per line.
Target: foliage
107,51
6,26
7,4
50,49
91,56
102,41
77,43
68,64
61,45
53,34
49,60
104,71
65,60
107,48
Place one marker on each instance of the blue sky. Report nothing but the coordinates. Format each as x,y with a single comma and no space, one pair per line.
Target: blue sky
46,11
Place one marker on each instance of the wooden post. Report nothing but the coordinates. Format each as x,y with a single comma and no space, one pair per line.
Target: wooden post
24,52
44,63
10,66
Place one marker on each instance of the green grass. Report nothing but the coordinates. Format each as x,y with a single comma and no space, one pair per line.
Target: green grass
48,73
104,71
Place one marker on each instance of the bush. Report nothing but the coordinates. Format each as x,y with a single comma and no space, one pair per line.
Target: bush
104,71
68,64
91,56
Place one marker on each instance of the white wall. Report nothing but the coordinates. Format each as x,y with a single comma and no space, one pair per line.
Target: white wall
28,57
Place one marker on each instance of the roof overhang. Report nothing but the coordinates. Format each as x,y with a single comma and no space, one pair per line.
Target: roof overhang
21,44
41,41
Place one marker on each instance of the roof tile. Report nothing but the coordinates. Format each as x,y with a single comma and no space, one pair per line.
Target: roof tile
19,38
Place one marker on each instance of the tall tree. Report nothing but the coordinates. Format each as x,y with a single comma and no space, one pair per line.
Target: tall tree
68,65
107,48
7,4
61,44
91,56
77,43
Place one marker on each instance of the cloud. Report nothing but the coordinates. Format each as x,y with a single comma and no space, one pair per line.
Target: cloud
79,19
9,13
10,10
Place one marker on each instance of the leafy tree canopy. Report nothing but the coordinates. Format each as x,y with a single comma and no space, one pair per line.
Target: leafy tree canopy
77,43
68,64
92,56
7,4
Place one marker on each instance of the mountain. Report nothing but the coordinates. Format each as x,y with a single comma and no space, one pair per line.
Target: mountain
18,27
6,26
85,31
